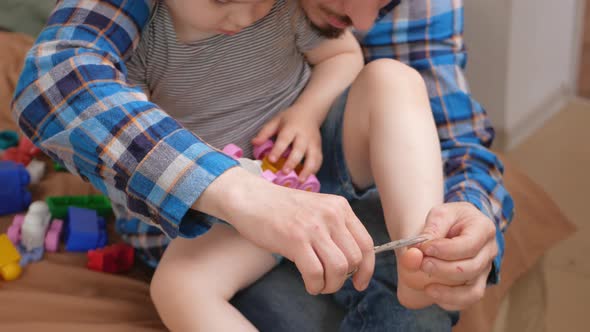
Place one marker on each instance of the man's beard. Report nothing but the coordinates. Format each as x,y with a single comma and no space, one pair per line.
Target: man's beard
329,31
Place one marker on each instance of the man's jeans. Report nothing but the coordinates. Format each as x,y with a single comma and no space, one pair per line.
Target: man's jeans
279,302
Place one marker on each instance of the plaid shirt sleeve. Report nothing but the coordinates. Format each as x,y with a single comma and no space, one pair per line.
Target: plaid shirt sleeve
73,101
428,35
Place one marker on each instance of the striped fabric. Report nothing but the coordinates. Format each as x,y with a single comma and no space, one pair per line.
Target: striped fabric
225,88
73,101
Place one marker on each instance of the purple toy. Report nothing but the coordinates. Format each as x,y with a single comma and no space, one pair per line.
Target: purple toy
53,235
14,229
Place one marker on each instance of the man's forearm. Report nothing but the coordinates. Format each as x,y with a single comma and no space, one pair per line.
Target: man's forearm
73,101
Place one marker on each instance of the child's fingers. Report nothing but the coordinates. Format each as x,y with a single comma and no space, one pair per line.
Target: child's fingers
268,130
312,164
298,148
281,144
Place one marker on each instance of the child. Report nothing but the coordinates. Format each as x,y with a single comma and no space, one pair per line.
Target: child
238,71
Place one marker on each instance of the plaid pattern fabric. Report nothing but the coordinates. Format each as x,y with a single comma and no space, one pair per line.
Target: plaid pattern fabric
73,101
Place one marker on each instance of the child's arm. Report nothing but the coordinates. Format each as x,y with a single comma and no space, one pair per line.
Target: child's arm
336,63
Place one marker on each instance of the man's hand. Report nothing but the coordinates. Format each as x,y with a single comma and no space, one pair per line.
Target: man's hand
319,233
457,260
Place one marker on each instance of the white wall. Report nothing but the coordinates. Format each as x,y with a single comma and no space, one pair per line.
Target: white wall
523,57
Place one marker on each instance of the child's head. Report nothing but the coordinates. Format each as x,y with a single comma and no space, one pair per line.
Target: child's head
219,16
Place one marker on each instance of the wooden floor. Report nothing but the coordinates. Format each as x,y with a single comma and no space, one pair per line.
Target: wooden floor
558,158
584,78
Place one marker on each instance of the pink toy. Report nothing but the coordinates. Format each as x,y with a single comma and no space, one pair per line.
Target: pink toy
272,171
15,229
53,235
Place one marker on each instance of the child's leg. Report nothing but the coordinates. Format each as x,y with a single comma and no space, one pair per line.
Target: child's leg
196,278
390,139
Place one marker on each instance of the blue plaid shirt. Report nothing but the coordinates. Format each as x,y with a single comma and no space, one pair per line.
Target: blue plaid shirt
74,102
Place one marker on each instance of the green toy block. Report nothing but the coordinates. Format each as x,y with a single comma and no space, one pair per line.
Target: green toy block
8,139
58,205
59,167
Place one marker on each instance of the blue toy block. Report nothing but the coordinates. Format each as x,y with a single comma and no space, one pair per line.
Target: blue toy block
85,230
14,196
28,257
8,139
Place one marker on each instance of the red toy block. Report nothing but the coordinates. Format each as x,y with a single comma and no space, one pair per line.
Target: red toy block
16,155
27,147
113,259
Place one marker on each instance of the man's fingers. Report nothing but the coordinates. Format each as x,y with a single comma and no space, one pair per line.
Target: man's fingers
312,270
458,297
362,276
473,230
461,270
351,250
334,262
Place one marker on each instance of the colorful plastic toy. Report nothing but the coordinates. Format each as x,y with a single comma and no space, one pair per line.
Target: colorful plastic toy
14,196
53,235
30,256
36,169
113,259
35,226
272,171
9,259
59,167
8,139
23,153
14,154
58,205
14,230
84,230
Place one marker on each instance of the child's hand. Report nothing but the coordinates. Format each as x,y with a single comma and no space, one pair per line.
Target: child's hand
302,133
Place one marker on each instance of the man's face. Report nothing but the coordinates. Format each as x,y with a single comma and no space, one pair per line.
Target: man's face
331,17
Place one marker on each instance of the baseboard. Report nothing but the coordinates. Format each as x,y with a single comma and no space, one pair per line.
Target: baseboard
508,138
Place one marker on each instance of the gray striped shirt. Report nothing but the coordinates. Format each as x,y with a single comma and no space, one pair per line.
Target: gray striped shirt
225,88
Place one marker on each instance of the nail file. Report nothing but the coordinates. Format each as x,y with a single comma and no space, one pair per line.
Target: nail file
400,243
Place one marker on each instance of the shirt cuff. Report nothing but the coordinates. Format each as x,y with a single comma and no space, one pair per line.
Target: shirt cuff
171,178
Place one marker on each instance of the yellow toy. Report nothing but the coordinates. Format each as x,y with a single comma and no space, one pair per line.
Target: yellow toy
9,259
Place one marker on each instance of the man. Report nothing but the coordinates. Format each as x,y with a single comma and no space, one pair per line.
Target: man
72,101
